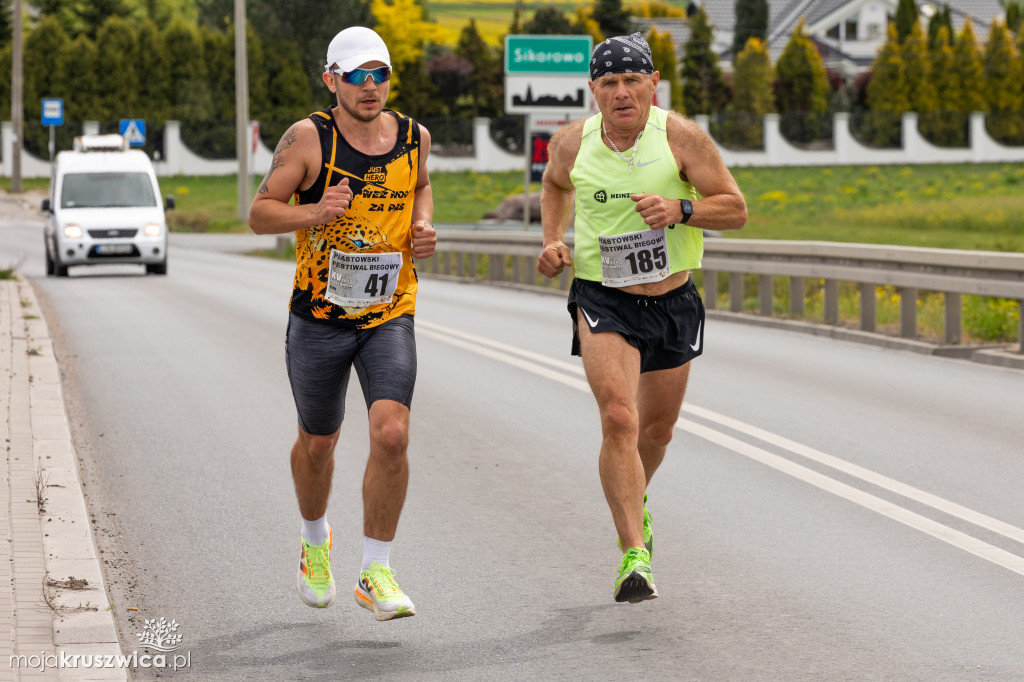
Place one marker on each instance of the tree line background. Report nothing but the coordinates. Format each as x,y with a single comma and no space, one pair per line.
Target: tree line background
924,67
162,60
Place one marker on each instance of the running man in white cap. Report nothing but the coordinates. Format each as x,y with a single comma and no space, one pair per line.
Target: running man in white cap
361,215
633,172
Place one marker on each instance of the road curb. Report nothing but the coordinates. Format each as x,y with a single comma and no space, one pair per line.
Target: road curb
74,589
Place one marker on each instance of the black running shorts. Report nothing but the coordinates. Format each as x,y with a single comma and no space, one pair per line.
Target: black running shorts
668,329
320,356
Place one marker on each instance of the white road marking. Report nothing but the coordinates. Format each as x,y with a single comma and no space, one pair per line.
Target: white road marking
532,362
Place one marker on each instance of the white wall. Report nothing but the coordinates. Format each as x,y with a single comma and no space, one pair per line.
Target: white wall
488,156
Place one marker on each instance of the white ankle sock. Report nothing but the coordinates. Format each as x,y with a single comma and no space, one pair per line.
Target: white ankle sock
375,550
315,532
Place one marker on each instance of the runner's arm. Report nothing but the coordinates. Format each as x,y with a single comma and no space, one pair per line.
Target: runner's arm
424,237
556,199
722,206
296,162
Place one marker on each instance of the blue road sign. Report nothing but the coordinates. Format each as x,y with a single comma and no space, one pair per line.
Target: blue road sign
134,129
53,111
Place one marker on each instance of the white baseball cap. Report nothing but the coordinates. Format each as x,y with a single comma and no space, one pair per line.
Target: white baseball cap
355,46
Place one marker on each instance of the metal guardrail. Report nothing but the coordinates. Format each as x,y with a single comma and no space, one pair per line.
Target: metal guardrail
510,257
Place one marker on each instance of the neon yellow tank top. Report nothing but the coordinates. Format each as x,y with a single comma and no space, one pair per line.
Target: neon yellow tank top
603,184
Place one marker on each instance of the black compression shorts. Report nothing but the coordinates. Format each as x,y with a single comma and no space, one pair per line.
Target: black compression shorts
668,329
320,357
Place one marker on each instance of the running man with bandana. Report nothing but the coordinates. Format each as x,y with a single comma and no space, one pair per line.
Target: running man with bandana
633,173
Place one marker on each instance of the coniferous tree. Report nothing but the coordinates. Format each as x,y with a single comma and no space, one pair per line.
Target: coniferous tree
753,93
5,80
5,21
1003,76
611,17
153,67
188,92
586,25
969,70
259,91
421,101
888,93
548,20
1014,15
803,88
44,69
401,25
450,75
704,89
663,54
924,97
751,22
93,14
486,83
162,12
288,95
941,19
308,24
516,27
1020,55
918,65
116,76
60,10
948,127
906,17
80,86
218,52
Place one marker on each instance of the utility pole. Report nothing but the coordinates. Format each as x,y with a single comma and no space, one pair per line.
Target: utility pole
17,98
242,111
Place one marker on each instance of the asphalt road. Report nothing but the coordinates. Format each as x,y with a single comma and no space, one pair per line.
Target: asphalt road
827,511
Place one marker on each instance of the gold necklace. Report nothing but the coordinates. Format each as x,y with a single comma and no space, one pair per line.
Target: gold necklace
622,156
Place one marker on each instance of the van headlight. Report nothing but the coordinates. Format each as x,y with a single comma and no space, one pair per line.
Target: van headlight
72,231
151,230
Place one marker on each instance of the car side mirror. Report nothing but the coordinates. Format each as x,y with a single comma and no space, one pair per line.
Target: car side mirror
46,206
169,201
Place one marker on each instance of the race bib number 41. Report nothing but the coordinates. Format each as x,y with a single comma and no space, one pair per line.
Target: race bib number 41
362,279
633,258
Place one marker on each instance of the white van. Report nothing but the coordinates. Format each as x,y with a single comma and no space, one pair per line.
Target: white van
104,207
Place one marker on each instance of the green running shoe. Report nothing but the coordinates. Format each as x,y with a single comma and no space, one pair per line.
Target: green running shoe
635,583
315,582
378,592
648,530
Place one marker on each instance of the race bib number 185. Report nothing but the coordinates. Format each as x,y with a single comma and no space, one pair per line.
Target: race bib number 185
633,258
362,279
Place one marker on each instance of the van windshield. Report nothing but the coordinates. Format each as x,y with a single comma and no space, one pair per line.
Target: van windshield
106,190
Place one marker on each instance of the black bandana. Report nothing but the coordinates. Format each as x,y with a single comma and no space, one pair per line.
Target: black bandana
621,54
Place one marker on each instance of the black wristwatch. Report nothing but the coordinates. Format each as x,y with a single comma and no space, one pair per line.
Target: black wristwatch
687,207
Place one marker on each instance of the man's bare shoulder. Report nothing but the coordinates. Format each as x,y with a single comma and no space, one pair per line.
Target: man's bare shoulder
296,161
566,141
690,143
301,133
684,130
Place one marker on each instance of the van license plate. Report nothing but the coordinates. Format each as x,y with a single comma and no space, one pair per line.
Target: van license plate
114,249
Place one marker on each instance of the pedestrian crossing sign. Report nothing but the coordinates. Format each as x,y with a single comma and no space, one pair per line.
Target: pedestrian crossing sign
134,130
